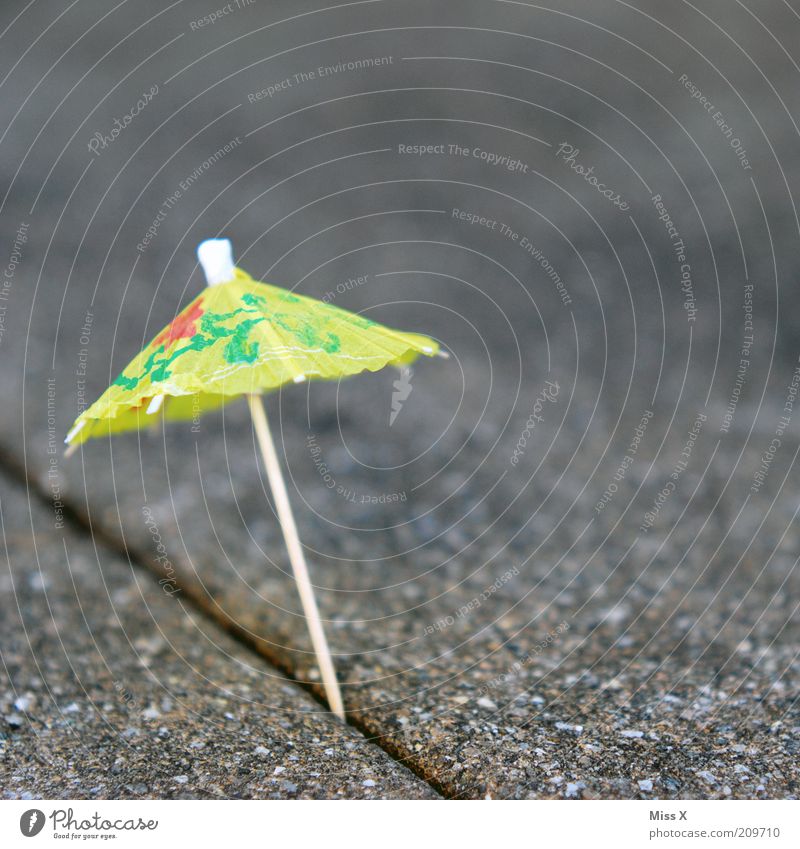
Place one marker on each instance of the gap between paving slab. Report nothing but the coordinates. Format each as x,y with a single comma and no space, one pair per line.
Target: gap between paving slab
81,523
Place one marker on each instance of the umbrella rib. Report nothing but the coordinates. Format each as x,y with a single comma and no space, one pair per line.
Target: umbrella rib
296,556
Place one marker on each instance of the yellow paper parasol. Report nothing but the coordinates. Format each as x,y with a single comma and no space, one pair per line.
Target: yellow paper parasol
244,337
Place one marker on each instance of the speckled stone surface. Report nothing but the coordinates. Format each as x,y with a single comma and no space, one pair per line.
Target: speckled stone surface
640,681
112,689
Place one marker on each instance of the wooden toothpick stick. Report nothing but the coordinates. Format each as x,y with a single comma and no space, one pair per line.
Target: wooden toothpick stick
296,556
216,259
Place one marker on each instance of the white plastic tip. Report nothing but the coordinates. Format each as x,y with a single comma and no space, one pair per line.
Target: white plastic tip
155,404
443,354
74,432
216,260
299,378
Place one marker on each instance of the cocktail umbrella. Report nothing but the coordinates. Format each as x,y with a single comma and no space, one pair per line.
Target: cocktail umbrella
244,337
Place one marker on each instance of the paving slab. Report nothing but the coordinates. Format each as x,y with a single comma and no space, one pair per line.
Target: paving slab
113,689
622,676
444,608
